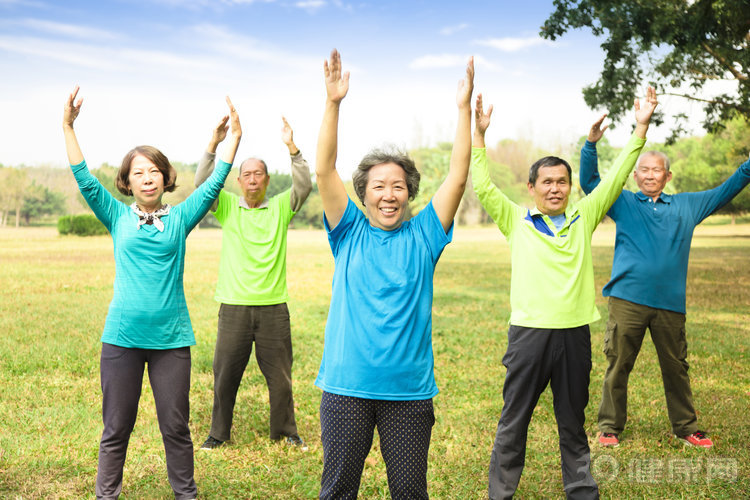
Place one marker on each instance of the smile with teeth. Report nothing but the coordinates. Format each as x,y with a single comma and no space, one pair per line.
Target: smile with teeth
388,210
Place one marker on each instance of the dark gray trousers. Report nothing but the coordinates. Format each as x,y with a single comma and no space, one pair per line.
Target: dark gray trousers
535,358
239,327
121,379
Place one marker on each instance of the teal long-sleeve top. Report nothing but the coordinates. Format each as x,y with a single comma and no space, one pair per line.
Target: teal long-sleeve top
652,241
148,308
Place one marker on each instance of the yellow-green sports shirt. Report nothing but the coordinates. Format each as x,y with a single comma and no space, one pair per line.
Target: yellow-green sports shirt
552,277
252,268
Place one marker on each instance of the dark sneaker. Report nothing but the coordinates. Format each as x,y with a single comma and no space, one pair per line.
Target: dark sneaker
211,443
698,438
609,439
297,441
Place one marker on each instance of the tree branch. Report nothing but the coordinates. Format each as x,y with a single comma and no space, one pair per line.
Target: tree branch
724,62
744,109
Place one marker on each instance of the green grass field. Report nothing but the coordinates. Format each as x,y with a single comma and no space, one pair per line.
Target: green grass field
54,297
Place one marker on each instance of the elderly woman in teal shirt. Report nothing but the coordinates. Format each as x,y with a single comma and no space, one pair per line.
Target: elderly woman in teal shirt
148,321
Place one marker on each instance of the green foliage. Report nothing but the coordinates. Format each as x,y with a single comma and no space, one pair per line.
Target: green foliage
39,201
80,225
673,45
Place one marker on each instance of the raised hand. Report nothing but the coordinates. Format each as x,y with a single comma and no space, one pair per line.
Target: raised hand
481,118
643,111
72,108
287,134
466,86
234,120
597,131
219,134
337,83
234,124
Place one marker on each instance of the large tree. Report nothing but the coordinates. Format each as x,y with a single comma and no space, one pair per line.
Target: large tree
678,45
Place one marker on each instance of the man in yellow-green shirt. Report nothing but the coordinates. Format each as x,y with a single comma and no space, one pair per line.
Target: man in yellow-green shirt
552,303
252,288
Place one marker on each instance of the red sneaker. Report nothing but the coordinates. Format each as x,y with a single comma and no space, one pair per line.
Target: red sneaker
608,439
698,438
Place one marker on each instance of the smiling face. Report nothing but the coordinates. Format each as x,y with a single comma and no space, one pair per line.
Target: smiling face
386,196
253,181
146,182
551,189
651,175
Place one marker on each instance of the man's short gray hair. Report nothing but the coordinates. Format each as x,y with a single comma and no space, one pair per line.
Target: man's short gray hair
658,154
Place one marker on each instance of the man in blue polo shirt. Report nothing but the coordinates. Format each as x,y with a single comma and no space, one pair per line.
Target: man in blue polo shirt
647,286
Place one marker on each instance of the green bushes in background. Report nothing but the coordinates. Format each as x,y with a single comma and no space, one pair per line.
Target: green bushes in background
81,225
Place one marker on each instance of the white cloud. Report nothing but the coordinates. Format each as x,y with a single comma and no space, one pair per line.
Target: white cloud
449,30
513,44
69,30
310,5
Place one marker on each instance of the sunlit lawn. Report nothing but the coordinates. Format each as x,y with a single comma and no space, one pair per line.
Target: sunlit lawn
54,296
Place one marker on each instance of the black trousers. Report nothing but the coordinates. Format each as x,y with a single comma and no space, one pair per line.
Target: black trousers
268,327
347,427
122,378
534,359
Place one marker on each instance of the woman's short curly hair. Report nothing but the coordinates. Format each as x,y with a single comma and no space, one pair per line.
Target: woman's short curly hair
157,158
378,156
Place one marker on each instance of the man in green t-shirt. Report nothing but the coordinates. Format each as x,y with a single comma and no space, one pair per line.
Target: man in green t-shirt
552,303
252,288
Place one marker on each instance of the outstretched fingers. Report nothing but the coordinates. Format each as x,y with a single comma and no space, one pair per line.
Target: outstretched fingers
466,85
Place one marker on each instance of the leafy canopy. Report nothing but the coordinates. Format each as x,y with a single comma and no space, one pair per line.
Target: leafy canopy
677,45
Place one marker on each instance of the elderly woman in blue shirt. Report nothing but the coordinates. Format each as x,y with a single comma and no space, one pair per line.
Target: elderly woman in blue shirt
377,366
148,321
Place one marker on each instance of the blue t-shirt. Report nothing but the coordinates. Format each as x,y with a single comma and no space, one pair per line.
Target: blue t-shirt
148,308
652,242
378,339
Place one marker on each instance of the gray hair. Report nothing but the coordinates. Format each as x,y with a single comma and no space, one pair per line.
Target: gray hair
378,156
658,154
265,167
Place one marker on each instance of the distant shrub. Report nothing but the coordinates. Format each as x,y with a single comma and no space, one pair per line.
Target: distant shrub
81,225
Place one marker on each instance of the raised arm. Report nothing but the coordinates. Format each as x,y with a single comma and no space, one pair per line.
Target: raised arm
601,199
236,129
449,194
301,182
207,162
70,113
332,191
588,175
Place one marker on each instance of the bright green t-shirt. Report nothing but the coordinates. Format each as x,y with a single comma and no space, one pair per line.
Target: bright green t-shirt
252,269
552,274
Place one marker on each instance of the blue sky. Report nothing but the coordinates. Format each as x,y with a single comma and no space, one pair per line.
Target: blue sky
156,72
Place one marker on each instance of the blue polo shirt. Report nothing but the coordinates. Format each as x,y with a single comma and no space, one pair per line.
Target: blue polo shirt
378,339
652,242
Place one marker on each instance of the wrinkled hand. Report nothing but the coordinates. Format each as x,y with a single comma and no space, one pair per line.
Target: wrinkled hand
72,108
337,83
287,134
234,120
481,118
220,132
466,86
644,111
597,131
